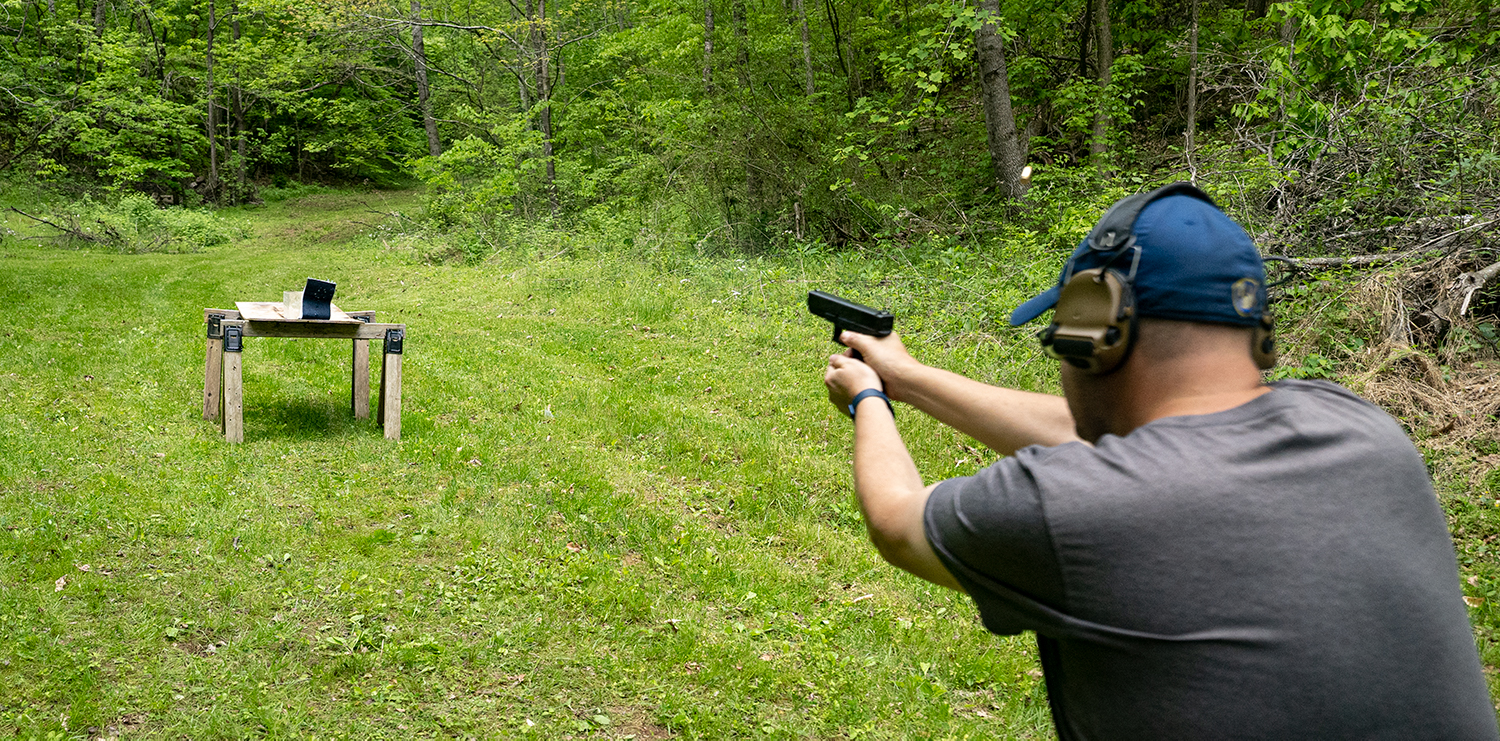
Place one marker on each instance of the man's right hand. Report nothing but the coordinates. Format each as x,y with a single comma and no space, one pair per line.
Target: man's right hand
886,355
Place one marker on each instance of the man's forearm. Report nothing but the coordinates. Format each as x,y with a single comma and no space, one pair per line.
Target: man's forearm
891,495
1004,419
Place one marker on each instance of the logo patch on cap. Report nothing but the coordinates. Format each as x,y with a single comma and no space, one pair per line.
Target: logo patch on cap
1246,296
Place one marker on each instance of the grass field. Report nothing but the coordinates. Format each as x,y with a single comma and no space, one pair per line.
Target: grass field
620,508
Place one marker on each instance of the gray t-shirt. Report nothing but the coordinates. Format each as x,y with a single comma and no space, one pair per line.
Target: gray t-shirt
1277,570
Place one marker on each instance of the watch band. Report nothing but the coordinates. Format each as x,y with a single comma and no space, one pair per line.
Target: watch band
867,393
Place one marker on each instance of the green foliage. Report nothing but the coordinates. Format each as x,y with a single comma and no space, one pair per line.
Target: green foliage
119,100
474,181
1311,365
1334,111
604,530
282,189
135,224
1374,111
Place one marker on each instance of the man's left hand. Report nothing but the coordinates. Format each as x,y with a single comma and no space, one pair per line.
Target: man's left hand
846,377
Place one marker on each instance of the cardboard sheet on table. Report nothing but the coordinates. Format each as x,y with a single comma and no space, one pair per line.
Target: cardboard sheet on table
271,311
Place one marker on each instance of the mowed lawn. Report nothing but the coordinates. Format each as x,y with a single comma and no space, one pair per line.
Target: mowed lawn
621,505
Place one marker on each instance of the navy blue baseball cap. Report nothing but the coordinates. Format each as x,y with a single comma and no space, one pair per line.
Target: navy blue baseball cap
1195,264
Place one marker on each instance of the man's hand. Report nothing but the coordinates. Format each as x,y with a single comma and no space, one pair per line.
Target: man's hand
887,357
846,377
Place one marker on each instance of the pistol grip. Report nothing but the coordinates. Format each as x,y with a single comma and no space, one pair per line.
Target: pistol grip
852,353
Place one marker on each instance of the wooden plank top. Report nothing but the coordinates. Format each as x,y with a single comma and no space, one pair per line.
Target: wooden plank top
272,311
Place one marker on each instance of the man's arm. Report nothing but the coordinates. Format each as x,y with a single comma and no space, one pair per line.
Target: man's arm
1004,419
890,490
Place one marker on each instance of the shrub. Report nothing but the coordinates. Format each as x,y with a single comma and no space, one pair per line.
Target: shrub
133,223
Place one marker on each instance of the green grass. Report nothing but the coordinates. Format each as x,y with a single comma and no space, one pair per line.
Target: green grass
621,504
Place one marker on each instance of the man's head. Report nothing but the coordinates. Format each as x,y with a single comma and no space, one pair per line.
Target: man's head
1165,296
1167,254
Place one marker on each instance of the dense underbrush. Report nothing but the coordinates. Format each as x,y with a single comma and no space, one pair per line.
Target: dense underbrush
130,223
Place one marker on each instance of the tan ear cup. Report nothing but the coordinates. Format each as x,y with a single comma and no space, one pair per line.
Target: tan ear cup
1094,325
1263,342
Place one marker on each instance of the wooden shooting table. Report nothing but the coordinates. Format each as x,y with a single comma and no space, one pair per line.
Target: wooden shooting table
223,394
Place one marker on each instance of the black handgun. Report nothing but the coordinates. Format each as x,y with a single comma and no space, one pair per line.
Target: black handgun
849,315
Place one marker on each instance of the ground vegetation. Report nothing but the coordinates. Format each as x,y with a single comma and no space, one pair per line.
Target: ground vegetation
646,178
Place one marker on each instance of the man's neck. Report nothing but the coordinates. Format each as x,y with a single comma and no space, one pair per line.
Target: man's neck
1189,385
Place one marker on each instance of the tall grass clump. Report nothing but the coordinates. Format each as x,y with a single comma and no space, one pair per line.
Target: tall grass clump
132,224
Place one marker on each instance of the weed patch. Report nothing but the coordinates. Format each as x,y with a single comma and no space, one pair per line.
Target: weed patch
620,506
132,223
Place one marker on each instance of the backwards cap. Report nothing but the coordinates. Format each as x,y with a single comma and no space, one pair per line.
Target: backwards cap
1191,263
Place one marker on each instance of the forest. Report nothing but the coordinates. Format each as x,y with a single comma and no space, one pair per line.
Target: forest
844,121
1358,136
626,492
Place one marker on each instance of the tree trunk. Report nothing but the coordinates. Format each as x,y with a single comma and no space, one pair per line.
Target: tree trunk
806,45
1192,90
799,218
544,99
1006,154
1084,34
1289,40
99,8
850,81
237,104
1105,53
708,46
526,51
212,186
742,67
741,42
1289,31
1255,8
424,97
524,99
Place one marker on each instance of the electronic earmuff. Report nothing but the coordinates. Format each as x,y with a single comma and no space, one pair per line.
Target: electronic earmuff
1263,342
1094,325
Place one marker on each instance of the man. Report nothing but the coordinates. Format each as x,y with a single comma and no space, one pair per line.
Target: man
1201,555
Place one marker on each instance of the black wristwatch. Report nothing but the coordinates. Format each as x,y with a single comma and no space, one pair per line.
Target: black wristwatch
867,393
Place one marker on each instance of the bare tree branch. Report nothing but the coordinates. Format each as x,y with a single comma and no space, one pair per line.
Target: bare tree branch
77,233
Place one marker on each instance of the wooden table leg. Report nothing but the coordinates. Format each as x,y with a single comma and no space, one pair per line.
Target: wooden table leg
390,383
380,402
359,385
359,373
213,367
234,396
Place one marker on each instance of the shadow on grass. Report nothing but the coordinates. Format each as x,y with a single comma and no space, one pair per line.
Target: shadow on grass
303,419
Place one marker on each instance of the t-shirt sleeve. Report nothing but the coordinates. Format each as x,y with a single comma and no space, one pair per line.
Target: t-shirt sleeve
990,530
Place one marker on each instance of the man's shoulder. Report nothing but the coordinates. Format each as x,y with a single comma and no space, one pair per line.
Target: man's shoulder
1294,406
1298,419
1321,390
